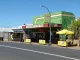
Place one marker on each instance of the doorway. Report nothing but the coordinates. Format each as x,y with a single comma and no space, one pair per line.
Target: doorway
18,37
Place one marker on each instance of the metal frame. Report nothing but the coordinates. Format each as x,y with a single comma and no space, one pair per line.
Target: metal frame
49,22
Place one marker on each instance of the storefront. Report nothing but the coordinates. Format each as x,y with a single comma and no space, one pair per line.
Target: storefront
39,29
18,35
36,32
5,34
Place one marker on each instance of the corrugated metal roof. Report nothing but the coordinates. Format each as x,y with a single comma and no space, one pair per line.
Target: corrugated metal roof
1,29
18,27
6,30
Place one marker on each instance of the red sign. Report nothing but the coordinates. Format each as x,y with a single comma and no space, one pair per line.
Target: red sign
41,30
59,25
38,25
24,27
46,25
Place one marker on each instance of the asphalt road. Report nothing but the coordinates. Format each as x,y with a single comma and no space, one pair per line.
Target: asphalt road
21,51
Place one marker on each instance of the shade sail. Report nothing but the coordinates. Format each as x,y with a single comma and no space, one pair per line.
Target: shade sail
65,31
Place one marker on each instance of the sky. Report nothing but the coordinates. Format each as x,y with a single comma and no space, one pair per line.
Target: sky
18,12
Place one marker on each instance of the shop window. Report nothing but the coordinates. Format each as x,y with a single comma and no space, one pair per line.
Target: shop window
16,35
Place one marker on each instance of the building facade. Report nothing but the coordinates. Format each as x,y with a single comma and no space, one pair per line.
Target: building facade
40,27
62,17
5,34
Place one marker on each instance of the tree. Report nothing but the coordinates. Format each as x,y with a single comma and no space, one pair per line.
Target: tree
75,26
78,27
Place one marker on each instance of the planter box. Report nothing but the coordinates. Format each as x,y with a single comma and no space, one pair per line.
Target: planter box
62,43
28,40
42,42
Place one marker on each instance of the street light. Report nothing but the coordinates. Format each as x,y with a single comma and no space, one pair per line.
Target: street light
49,22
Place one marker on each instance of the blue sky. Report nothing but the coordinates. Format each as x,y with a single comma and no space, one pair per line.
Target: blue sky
17,12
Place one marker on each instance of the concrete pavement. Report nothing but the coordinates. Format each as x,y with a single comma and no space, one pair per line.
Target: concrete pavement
35,52
53,45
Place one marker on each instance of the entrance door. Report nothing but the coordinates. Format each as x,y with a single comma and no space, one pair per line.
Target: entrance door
55,37
18,37
37,36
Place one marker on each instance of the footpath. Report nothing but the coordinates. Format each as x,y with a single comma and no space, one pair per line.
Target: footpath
53,45
71,47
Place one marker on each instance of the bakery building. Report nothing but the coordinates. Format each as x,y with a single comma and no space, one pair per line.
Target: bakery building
40,29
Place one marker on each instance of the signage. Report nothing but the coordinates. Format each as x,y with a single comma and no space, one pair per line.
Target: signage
46,25
32,26
18,31
38,25
29,26
23,27
59,25
55,25
41,30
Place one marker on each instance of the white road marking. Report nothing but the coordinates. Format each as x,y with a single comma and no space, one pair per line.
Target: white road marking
40,52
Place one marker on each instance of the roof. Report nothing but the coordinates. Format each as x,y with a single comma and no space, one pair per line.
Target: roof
6,30
55,13
20,27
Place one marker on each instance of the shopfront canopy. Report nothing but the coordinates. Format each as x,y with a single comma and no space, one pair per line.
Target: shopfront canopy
65,31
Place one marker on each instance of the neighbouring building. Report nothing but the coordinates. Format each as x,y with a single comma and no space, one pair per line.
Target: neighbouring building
5,34
18,33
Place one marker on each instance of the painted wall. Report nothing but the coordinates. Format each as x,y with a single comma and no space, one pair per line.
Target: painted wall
67,21
55,18
62,17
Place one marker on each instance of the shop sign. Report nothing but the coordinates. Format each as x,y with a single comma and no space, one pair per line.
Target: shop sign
18,31
23,27
55,25
38,26
29,26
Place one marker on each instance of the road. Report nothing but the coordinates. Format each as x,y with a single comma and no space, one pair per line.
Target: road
21,51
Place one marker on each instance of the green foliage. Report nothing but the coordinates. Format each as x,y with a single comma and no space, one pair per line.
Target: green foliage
75,26
10,39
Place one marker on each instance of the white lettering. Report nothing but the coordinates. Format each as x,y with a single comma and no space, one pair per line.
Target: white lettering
38,26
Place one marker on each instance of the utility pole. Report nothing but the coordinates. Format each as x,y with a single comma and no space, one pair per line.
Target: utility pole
50,43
